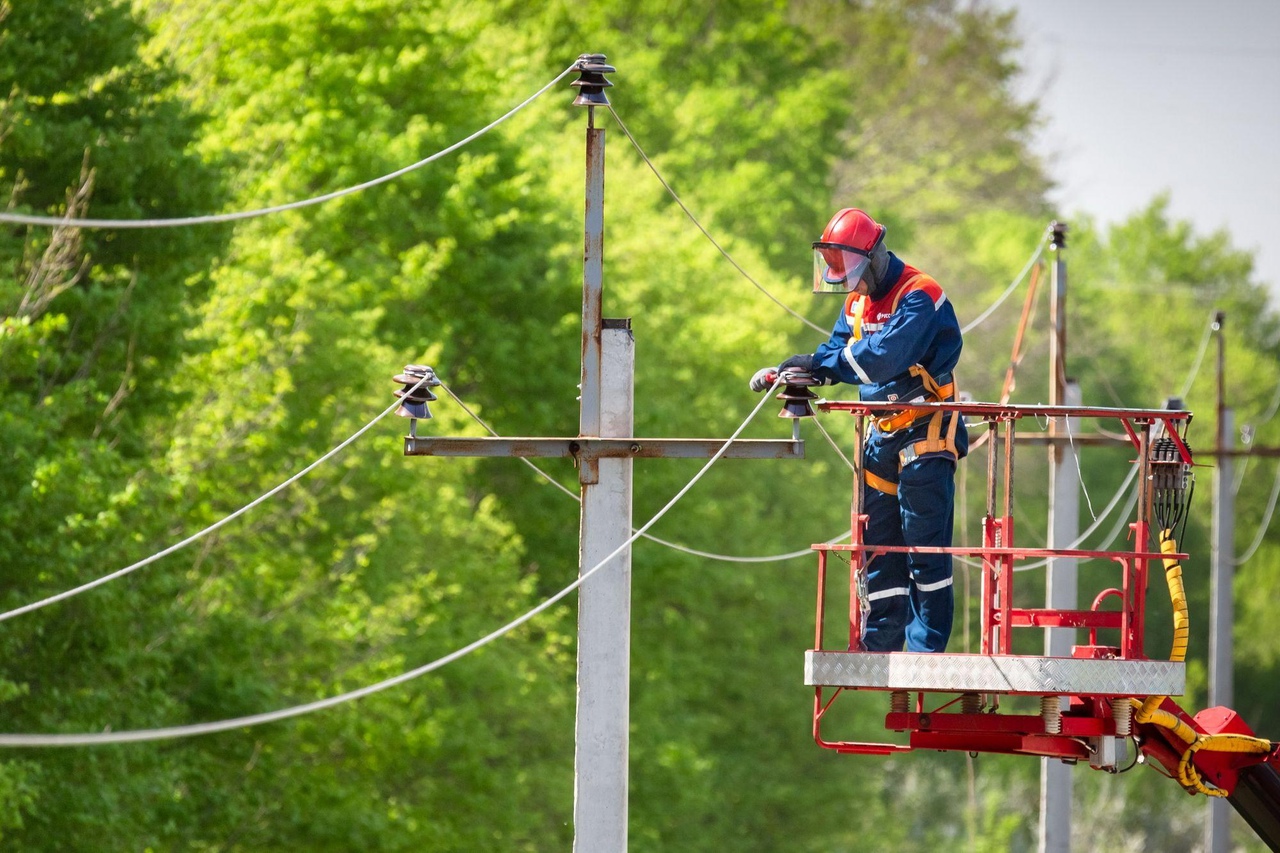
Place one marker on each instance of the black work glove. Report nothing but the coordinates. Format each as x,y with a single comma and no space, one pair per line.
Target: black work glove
799,368
802,363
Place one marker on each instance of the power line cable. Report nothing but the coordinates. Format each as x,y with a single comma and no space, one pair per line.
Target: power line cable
707,234
1110,537
724,558
834,445
1271,410
1266,521
1191,376
1079,473
26,219
1252,439
1106,511
1195,368
168,733
119,573
1013,286
1035,256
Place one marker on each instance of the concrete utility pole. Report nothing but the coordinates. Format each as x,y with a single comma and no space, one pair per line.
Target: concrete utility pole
604,604
603,451
1217,830
1061,588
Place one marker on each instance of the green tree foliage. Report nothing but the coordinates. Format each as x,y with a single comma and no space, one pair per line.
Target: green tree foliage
222,361
91,332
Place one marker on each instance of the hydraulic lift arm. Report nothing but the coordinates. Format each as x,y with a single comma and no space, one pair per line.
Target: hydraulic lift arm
1216,753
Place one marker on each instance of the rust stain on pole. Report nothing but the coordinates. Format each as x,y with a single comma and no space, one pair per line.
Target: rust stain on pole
592,282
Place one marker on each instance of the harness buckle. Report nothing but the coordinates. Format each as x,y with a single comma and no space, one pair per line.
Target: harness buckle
907,455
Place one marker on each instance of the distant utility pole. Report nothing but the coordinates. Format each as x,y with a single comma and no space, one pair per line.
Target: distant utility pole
1061,586
1222,570
1217,831
603,451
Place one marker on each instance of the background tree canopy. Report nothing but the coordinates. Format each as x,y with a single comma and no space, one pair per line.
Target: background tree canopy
156,380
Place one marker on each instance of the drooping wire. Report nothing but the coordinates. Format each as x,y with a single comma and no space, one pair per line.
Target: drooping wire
834,445
1266,521
1079,473
1271,410
27,219
1195,368
1248,457
1106,511
724,558
195,537
707,234
1035,256
171,732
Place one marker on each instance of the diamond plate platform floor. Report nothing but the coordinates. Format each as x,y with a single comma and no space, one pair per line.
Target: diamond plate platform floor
1025,674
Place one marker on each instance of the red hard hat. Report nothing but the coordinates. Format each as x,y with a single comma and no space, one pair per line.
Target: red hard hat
844,252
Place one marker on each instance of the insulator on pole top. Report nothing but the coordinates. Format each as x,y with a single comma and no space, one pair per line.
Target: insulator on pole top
796,397
591,82
413,403
1059,232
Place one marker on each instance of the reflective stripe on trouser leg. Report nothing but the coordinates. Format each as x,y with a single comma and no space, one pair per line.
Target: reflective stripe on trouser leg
926,494
888,581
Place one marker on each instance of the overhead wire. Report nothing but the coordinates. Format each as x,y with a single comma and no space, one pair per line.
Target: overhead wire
61,221
1191,376
1252,439
1039,250
1195,368
1035,256
1266,521
1015,358
171,732
675,546
195,537
834,445
1102,516
687,212
1271,410
1079,473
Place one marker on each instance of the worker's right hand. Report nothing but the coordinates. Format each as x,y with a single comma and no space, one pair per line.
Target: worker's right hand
764,379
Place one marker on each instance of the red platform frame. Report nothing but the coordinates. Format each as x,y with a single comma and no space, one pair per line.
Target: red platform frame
947,724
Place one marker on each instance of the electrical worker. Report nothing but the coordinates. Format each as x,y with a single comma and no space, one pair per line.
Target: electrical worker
898,338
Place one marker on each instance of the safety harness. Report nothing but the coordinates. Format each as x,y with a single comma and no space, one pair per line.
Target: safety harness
934,441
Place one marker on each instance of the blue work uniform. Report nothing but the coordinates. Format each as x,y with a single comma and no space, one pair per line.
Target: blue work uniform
903,347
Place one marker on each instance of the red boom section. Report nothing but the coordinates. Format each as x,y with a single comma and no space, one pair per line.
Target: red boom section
1249,779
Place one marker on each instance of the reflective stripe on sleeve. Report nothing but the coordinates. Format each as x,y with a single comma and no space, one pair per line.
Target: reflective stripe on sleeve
848,357
888,593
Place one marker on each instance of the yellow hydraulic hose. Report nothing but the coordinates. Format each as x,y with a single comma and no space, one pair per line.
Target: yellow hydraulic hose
1149,711
1181,622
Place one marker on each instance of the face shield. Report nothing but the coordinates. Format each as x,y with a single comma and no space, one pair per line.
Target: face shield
838,268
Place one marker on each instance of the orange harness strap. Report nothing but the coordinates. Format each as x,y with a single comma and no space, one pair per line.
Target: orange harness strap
880,484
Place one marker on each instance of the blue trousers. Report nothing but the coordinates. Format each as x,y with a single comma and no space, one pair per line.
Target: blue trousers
910,595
